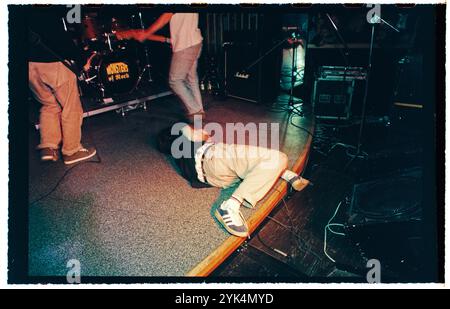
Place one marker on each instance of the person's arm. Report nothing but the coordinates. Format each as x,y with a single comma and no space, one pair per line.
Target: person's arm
141,36
158,38
163,20
147,34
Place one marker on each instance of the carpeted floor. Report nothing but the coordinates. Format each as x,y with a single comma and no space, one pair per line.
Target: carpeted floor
132,214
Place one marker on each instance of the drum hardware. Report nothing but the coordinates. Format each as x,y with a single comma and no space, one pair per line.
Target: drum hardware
116,25
111,43
131,107
114,67
108,41
147,66
146,69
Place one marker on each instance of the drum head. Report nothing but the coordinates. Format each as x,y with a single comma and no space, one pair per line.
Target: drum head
118,73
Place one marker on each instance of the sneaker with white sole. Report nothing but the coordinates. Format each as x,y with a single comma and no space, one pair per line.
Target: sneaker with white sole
80,155
232,220
298,183
49,154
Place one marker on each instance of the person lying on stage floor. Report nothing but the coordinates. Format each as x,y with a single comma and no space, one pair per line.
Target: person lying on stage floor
205,163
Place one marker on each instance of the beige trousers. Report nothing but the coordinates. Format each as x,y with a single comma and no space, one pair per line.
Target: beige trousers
258,168
61,114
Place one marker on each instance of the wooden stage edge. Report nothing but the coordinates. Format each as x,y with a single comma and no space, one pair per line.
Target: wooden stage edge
219,255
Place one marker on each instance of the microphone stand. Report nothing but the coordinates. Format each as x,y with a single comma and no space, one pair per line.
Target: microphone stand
291,103
294,74
366,91
263,56
358,152
358,148
344,53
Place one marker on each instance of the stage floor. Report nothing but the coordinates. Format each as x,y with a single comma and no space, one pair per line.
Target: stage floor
132,214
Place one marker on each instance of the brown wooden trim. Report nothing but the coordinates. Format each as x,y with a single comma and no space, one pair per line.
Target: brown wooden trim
232,243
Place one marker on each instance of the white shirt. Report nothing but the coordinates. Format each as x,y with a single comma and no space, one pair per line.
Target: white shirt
198,160
184,31
197,136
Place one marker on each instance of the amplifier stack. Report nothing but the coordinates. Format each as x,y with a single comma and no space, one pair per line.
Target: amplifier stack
333,91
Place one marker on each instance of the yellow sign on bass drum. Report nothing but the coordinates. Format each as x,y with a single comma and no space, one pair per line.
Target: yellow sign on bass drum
117,71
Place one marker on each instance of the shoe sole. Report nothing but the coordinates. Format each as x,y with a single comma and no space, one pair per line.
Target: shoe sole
81,159
49,158
299,185
219,217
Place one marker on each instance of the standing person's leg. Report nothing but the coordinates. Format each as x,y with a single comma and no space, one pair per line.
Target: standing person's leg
39,75
67,94
180,67
193,84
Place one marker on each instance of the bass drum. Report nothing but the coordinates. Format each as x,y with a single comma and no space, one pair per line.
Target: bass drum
114,73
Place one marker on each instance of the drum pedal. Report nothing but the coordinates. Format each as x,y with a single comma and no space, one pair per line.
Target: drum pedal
123,110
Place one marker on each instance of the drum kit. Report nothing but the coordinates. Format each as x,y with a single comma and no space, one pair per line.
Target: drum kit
114,67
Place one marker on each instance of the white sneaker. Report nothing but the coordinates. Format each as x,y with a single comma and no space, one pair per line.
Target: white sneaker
232,220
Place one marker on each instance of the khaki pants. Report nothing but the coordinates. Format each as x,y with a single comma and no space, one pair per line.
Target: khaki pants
258,168
61,114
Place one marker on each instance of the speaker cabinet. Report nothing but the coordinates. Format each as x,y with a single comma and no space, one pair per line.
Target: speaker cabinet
385,223
261,82
332,98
